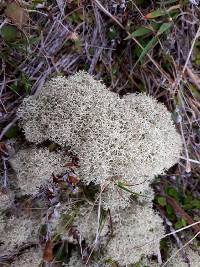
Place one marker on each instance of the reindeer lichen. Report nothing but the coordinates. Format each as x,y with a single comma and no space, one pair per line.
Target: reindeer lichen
125,139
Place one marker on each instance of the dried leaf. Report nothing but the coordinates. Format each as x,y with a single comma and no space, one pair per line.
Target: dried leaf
48,251
17,14
73,180
73,36
69,165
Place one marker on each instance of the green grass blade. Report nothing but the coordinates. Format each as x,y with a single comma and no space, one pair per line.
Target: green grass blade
155,14
121,185
142,31
147,48
164,27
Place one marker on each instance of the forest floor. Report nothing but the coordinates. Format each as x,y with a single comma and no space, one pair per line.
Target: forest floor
132,46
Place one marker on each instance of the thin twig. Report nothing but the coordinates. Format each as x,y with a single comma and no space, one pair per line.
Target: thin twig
188,165
195,79
178,80
190,160
186,244
135,40
169,234
5,175
97,232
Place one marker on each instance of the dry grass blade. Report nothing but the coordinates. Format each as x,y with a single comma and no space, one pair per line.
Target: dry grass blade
133,47
185,245
179,78
171,233
135,40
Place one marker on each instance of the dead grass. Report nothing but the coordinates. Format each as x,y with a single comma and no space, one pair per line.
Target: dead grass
65,36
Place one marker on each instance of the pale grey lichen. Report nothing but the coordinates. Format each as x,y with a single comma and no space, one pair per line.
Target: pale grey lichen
63,109
58,217
34,167
127,138
192,258
87,225
16,232
6,199
137,232
2,223
117,141
115,197
93,227
30,258
138,140
76,261
148,262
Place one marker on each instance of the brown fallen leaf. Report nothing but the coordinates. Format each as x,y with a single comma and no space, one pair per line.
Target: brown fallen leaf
73,36
18,15
69,165
73,180
48,251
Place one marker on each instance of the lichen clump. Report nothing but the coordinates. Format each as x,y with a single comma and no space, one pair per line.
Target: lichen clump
125,235
77,261
128,139
6,199
30,258
14,232
119,145
85,225
184,258
115,198
34,167
137,231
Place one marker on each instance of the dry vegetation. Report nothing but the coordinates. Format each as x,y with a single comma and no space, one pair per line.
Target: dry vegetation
132,46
